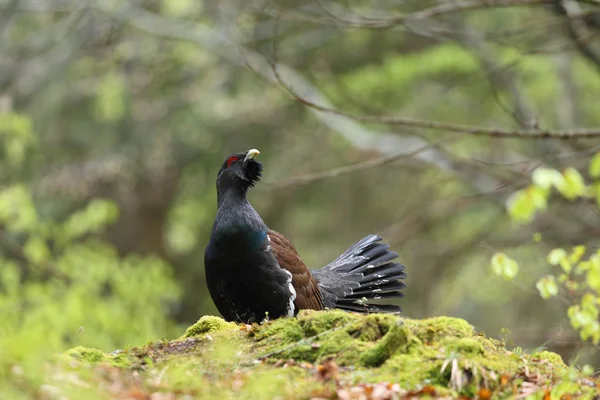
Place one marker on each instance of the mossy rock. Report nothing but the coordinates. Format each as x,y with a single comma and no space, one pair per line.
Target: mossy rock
363,340
319,353
208,324
94,356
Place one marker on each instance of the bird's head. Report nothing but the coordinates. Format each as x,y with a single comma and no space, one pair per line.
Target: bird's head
240,172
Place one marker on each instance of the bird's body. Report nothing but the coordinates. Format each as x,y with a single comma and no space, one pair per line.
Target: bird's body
253,272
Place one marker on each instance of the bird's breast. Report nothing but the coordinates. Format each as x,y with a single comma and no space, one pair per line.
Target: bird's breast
238,239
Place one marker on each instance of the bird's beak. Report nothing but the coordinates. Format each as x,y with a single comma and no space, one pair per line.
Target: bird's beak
251,154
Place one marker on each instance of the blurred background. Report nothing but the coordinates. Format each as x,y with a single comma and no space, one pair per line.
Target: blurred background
115,117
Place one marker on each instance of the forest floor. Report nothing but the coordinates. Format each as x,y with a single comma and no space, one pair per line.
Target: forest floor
320,355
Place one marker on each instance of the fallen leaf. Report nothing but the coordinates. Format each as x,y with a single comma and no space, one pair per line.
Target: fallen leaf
430,390
484,394
343,394
328,370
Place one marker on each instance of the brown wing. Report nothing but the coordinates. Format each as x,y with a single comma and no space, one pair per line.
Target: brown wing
308,294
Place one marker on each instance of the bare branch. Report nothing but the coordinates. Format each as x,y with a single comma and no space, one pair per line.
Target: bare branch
578,30
363,166
445,8
446,126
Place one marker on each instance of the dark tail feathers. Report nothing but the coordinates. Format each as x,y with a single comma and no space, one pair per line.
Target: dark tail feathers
363,273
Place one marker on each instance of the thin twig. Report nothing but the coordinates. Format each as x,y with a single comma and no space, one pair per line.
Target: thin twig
445,126
436,11
349,169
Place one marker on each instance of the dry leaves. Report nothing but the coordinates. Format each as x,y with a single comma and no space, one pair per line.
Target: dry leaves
378,391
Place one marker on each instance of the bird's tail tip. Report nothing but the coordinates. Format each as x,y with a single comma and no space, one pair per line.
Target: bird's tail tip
365,273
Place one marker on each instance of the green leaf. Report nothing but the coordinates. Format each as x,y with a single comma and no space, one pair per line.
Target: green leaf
595,192
584,317
546,178
583,266
573,185
523,204
497,263
36,250
547,287
593,279
17,210
93,219
587,369
588,303
110,103
502,265
520,207
594,168
559,257
511,269
566,265
556,256
538,196
579,318
16,125
576,253
592,263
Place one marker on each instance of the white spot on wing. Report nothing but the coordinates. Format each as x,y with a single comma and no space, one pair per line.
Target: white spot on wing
268,243
290,308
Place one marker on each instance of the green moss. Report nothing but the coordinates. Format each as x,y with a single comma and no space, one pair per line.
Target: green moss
208,324
121,360
362,340
281,383
411,370
464,345
87,354
315,322
279,357
435,329
386,347
93,356
280,331
550,357
371,328
395,338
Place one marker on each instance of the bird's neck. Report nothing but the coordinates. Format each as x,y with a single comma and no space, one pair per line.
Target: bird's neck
237,223
232,194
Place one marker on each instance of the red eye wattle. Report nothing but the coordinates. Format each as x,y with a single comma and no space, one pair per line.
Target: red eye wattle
231,160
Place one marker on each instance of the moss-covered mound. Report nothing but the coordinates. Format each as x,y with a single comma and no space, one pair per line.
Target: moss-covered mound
93,356
208,324
334,354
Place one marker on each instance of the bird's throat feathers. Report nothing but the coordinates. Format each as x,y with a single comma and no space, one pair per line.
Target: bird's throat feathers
239,238
240,227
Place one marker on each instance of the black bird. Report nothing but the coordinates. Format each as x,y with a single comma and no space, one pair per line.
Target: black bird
253,272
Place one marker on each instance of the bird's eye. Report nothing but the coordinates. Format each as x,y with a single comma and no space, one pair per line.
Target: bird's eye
231,160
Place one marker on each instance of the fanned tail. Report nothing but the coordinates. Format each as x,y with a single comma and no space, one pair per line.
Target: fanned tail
363,273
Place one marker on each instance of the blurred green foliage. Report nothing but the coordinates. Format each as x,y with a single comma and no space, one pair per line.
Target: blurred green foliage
61,286
113,126
579,276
